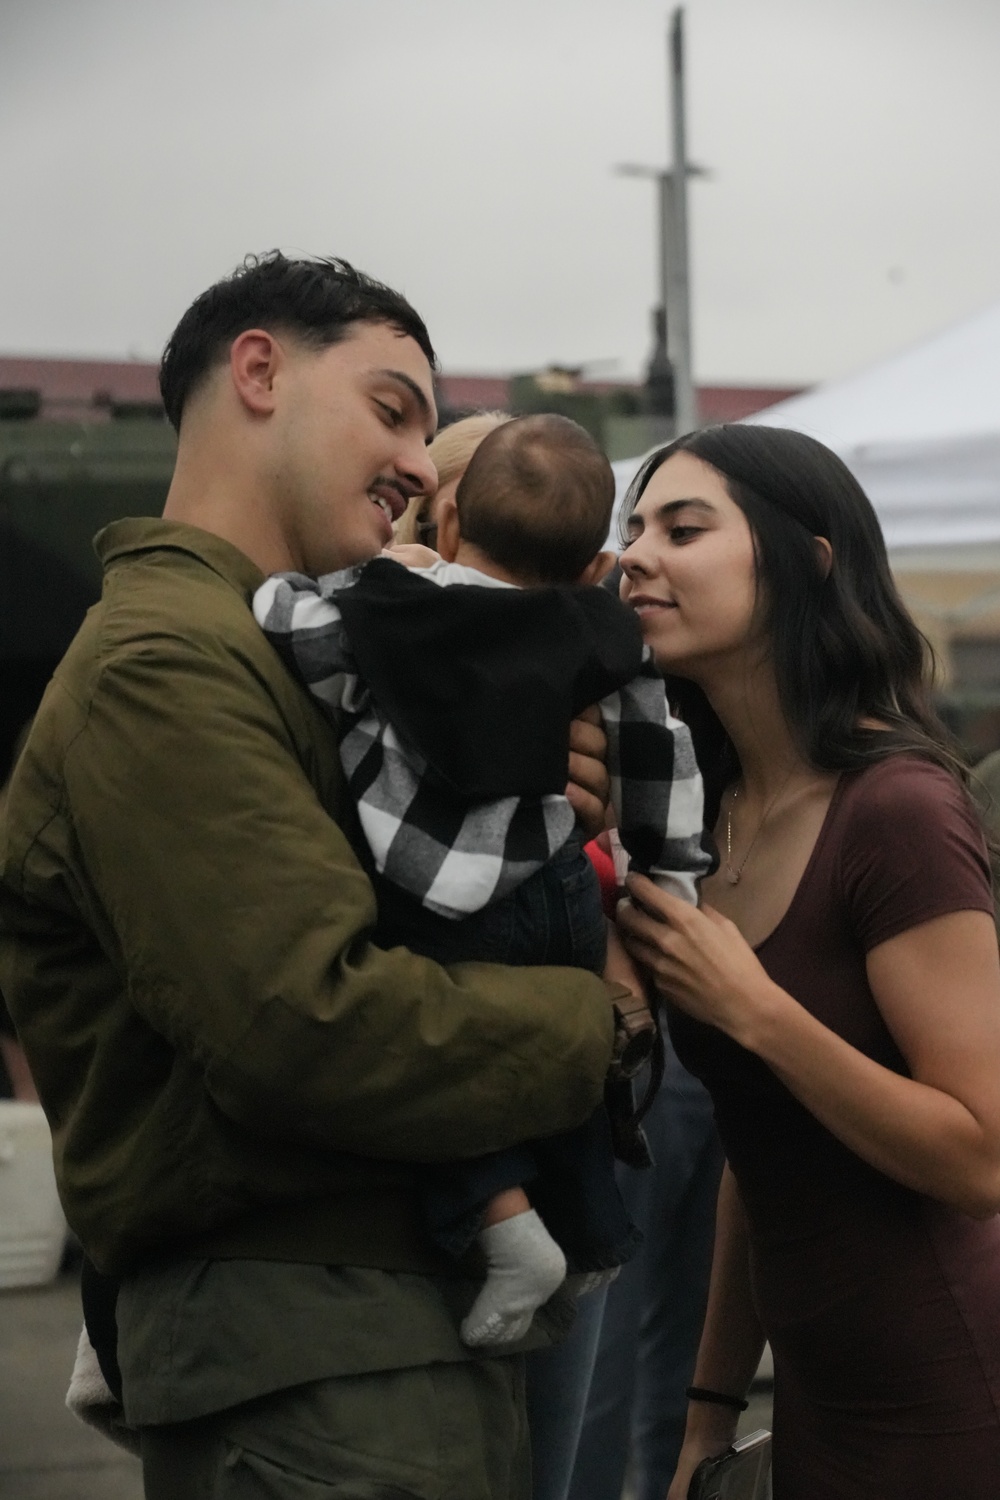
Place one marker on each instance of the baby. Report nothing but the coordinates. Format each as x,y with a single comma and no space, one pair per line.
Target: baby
453,686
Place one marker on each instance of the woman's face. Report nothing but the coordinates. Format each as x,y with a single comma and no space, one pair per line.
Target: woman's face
689,570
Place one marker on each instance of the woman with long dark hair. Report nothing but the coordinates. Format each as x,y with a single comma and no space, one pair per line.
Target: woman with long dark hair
839,992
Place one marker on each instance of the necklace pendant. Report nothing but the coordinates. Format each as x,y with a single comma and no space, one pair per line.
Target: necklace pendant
733,876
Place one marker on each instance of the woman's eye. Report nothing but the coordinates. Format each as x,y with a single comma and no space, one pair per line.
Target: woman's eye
393,413
684,533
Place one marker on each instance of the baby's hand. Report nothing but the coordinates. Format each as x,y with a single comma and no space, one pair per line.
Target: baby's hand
411,555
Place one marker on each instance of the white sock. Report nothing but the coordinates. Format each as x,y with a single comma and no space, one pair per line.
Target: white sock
524,1265
581,1283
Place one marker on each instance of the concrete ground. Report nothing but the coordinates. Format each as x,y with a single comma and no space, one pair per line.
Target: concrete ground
46,1454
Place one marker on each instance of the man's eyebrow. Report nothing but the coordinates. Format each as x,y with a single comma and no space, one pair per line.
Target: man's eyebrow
412,386
671,507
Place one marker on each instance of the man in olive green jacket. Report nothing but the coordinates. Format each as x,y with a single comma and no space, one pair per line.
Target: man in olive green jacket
233,1074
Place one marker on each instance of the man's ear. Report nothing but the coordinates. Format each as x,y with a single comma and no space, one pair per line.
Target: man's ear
824,556
449,531
599,567
254,361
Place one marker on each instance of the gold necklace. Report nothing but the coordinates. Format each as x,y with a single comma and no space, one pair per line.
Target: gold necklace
733,876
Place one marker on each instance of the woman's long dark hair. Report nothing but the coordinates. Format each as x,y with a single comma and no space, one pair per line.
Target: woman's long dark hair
844,647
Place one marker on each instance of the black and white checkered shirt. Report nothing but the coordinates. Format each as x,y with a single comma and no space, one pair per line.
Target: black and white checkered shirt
449,687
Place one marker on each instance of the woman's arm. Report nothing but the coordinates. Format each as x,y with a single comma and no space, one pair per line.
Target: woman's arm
731,1342
937,987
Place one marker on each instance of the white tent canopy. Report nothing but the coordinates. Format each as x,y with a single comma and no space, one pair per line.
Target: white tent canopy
921,432
945,388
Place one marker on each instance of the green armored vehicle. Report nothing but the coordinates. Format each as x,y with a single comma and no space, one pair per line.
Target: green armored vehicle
60,482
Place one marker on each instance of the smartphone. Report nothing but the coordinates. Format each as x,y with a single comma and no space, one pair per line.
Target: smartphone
743,1472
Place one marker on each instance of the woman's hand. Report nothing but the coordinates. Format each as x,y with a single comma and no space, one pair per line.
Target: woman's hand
935,1129
697,958
697,1446
589,788
731,1340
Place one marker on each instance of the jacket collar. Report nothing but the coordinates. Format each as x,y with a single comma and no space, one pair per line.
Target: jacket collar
152,534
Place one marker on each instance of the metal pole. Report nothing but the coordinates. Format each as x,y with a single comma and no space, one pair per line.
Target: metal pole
666,228
677,276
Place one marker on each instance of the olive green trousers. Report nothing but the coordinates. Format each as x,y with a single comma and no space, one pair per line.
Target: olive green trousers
438,1432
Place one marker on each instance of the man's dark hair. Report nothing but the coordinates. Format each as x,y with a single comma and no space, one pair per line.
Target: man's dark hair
317,301
537,498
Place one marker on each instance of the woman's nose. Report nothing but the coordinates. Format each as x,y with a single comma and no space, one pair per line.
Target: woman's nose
632,561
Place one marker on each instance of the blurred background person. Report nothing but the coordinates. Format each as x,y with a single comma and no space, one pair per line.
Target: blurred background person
651,1321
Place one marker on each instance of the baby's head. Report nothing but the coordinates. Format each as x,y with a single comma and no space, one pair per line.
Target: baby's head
535,501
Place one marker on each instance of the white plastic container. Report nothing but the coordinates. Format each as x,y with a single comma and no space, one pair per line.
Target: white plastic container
32,1227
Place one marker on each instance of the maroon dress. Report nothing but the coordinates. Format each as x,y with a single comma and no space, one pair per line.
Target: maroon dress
882,1306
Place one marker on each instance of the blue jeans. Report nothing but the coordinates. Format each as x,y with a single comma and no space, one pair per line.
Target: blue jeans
553,917
654,1311
557,1384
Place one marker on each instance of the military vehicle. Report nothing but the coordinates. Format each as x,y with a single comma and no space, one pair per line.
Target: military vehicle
60,483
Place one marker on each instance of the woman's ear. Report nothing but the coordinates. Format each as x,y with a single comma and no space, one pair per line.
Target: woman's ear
824,556
449,532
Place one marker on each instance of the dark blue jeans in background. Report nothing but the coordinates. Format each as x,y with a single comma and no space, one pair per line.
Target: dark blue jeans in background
652,1314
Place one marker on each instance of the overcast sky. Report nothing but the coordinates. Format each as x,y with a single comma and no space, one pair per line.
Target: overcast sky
462,150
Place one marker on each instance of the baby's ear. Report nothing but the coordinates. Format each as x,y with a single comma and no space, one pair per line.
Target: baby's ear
449,532
599,567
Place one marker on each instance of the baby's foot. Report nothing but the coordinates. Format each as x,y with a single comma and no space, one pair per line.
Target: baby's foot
524,1267
582,1283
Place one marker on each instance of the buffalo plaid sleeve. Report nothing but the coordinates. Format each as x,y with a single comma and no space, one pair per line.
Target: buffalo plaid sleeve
656,787
300,618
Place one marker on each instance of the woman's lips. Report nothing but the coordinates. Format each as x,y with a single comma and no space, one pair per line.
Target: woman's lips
643,604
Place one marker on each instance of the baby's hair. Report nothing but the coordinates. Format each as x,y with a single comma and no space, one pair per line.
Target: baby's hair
537,498
455,444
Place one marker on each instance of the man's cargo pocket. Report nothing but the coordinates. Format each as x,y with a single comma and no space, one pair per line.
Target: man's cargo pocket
251,1476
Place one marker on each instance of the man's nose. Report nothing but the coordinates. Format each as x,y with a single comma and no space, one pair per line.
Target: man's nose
417,467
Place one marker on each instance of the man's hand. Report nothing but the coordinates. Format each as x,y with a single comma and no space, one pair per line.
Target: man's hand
589,784
619,969
634,1019
411,554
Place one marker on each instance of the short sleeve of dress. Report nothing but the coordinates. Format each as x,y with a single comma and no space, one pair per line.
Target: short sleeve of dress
912,849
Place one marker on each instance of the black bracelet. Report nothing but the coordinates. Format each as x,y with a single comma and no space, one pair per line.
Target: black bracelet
717,1398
